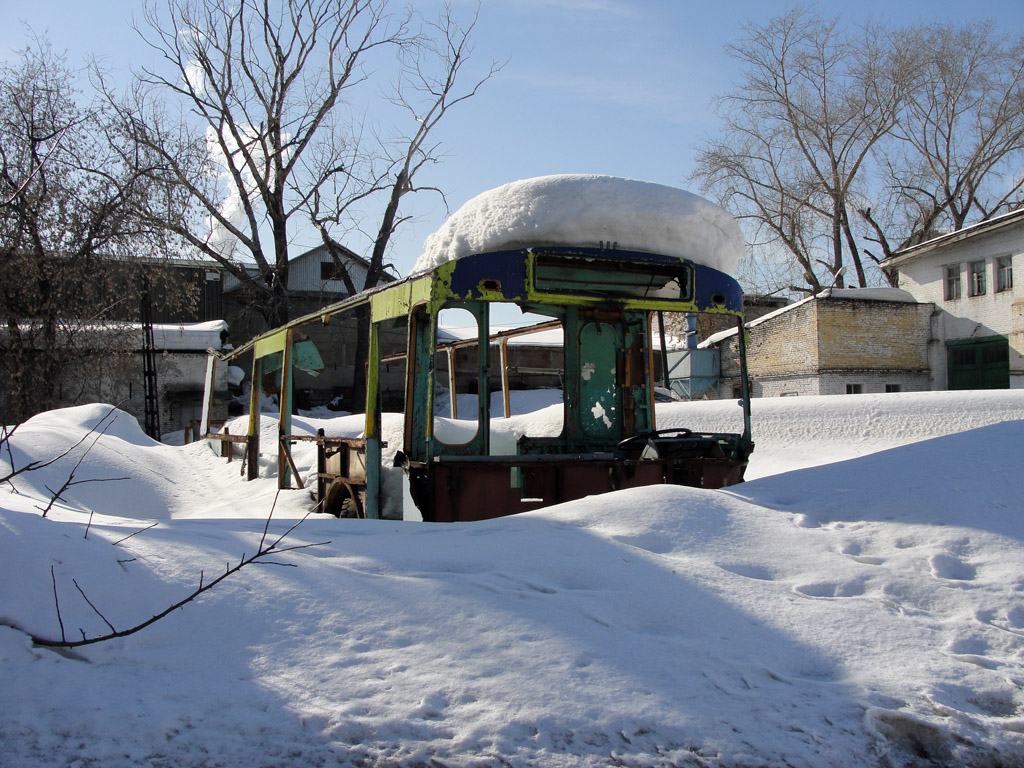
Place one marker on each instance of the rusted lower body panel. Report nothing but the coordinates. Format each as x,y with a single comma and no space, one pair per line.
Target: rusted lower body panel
471,488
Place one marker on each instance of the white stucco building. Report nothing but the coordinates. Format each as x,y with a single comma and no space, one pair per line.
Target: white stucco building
978,327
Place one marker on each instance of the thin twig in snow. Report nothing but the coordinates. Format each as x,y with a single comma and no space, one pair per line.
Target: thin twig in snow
263,551
97,610
56,602
141,530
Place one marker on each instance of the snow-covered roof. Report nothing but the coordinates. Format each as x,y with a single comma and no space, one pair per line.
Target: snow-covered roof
188,336
861,294
589,211
997,222
195,337
551,337
869,294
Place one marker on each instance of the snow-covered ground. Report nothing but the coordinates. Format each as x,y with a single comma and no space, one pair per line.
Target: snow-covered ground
859,602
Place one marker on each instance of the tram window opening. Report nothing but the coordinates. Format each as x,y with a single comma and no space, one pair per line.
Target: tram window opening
560,273
456,377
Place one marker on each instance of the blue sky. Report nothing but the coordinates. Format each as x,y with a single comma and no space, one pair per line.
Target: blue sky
622,87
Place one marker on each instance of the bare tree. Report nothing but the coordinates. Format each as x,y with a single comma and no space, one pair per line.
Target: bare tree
838,145
797,132
955,153
425,95
269,126
68,242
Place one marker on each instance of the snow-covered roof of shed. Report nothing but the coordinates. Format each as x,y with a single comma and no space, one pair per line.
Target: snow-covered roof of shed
863,294
189,336
551,337
588,211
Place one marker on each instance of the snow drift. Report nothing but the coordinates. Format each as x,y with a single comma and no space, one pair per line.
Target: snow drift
862,612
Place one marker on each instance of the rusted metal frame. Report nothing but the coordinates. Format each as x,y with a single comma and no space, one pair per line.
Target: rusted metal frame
638,383
372,429
351,442
323,315
419,422
570,436
506,402
417,317
453,400
321,470
650,367
284,454
526,330
285,464
664,349
227,437
483,387
227,440
741,334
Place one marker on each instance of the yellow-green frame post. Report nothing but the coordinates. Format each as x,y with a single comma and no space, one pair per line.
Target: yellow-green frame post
252,445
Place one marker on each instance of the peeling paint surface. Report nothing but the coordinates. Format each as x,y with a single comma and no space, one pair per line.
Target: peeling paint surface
601,415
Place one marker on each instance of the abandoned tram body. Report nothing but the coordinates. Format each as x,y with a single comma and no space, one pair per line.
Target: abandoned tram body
604,300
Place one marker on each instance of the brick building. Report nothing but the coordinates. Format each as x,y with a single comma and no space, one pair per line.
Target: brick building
978,330
841,341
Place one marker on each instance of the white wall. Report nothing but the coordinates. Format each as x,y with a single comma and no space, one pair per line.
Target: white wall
971,317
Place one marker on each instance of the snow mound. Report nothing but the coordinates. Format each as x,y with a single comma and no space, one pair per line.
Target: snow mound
798,432
588,211
862,613
110,463
80,420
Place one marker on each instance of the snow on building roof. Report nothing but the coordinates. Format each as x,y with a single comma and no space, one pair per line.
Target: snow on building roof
861,294
179,337
589,211
551,337
189,336
997,222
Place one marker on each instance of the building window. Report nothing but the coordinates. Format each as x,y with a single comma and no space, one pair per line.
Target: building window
1004,274
892,387
952,290
977,284
854,389
329,271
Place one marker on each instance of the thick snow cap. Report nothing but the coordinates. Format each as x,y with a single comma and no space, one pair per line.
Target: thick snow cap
589,211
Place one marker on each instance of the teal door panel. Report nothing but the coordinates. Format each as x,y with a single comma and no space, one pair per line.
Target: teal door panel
600,408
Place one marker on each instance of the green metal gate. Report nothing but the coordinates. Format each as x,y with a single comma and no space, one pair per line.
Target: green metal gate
979,363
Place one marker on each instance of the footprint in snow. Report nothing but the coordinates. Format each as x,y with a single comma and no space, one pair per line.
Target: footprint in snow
828,589
748,570
853,551
432,707
1015,617
972,650
946,566
656,545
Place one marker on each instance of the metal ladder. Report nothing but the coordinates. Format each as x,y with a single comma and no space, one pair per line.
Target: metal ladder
152,403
